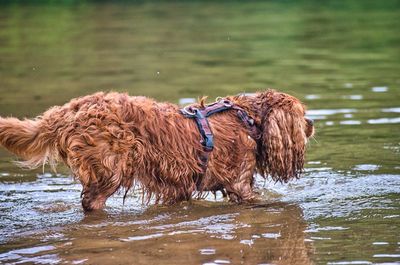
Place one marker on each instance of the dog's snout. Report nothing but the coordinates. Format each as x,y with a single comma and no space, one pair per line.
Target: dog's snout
309,130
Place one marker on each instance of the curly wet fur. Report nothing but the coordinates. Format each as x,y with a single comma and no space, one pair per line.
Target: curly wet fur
112,141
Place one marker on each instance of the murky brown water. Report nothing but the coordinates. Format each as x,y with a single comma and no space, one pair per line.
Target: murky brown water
341,58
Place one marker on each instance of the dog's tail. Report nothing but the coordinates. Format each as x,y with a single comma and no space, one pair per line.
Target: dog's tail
29,140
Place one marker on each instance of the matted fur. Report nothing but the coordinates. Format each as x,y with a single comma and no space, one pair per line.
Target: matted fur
112,141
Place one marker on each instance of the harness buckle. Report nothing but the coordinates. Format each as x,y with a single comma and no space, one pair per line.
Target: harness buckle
188,111
227,103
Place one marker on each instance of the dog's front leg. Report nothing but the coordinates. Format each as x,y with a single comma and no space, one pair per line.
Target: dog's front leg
240,189
96,193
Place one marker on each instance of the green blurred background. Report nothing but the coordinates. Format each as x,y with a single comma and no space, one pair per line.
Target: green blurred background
341,58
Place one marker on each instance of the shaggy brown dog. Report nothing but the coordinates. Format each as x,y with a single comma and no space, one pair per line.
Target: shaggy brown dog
112,140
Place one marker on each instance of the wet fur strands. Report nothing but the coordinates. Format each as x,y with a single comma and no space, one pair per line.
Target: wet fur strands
112,141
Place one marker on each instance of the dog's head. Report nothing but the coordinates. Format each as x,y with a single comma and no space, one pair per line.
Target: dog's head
285,131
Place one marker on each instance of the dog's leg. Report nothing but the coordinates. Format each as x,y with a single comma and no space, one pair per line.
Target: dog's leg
174,194
164,190
96,194
241,189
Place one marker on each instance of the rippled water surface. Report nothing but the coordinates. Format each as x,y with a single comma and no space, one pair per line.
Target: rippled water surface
341,58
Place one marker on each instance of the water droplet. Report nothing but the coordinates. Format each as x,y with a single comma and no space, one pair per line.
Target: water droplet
378,89
350,122
185,101
348,85
207,251
380,243
222,261
312,97
368,167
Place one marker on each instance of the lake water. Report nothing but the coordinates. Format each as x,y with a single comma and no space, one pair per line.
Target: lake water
342,58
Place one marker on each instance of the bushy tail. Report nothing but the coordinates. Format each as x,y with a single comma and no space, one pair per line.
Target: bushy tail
29,140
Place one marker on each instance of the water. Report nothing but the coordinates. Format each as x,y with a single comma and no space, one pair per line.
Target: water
341,58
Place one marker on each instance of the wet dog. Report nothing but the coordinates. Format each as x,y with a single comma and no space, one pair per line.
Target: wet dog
112,141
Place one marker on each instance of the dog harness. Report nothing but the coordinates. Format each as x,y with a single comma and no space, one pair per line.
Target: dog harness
207,138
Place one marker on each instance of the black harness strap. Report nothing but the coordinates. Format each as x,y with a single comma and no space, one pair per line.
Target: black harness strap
248,122
207,137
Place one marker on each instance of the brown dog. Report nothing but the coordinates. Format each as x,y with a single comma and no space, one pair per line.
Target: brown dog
112,140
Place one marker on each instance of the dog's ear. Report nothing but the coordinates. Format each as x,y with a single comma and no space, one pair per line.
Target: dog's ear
282,145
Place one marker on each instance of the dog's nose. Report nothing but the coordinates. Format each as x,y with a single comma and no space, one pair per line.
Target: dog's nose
310,122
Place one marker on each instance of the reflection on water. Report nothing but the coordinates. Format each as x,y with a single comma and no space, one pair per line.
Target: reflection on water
277,232
197,233
340,58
